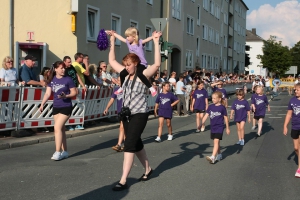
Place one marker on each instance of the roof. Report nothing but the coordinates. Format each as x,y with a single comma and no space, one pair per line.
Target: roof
244,4
250,36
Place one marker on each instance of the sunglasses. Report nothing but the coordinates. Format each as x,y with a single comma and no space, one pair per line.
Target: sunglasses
10,61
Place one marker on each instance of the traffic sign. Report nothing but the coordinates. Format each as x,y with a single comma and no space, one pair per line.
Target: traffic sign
159,23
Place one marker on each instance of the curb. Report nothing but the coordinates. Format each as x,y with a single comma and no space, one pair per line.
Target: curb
36,139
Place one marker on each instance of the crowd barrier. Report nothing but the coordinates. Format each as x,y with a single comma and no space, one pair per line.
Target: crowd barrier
19,106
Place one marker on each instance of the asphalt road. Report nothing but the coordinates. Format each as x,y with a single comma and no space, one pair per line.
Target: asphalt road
262,169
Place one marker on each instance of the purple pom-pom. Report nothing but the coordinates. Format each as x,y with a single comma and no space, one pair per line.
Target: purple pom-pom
102,40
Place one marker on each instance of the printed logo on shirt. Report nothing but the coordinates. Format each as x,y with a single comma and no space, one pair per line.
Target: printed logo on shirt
214,114
120,96
199,95
237,106
296,109
164,100
56,87
258,101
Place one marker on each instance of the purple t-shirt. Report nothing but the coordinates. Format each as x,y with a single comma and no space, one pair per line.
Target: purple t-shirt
240,107
138,50
165,101
200,96
58,86
216,115
260,102
119,98
294,105
224,93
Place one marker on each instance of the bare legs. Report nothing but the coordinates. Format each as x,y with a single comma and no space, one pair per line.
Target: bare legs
121,134
216,149
240,129
259,123
128,161
199,117
60,132
161,124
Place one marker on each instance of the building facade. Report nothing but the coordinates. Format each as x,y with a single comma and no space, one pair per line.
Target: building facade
208,34
256,44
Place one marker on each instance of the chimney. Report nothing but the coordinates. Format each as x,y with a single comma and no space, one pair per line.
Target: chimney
254,31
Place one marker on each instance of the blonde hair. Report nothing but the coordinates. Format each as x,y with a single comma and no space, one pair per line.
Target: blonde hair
6,59
219,95
259,86
134,32
92,69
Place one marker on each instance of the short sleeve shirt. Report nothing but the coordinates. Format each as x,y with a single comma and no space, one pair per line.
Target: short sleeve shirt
240,107
294,105
179,86
200,97
27,74
260,102
80,70
119,98
9,75
71,72
216,115
106,75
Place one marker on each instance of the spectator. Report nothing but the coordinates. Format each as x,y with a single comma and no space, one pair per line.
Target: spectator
44,75
27,74
72,73
188,77
99,76
106,77
8,73
180,91
172,82
162,78
78,67
188,90
166,74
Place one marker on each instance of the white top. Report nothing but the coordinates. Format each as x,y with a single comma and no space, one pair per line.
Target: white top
172,80
9,75
179,86
259,83
106,75
267,82
296,82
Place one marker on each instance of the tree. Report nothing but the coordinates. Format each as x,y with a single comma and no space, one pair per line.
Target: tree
295,53
276,58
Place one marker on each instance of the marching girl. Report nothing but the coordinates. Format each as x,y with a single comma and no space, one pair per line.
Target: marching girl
241,109
259,102
164,103
218,115
199,105
294,114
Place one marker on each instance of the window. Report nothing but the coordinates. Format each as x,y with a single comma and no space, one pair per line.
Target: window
197,46
149,2
205,32
225,41
211,7
206,4
189,59
203,61
93,21
216,63
176,9
134,24
116,26
224,63
190,25
198,15
148,45
217,38
234,46
226,18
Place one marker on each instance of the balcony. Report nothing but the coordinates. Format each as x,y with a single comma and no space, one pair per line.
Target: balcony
230,32
229,52
231,9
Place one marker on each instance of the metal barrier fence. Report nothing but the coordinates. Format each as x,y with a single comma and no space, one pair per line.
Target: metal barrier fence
19,106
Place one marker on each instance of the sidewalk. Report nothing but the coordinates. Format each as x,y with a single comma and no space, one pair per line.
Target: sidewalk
13,142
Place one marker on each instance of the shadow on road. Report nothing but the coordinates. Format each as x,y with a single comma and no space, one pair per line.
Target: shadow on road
293,154
182,157
106,192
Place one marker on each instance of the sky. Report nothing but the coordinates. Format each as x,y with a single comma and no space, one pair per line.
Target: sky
279,18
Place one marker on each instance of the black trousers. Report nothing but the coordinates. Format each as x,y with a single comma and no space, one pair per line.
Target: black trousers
142,77
133,131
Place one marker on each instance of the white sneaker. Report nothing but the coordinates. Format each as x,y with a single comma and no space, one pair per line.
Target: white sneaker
197,131
219,157
242,142
239,142
211,159
64,154
170,137
202,128
56,156
253,128
158,139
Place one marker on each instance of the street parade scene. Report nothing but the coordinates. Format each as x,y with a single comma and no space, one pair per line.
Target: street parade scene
149,99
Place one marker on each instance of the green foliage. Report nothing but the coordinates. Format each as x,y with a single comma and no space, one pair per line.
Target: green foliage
276,58
295,53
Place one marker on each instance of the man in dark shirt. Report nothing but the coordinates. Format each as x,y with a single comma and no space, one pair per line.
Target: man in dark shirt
71,72
27,74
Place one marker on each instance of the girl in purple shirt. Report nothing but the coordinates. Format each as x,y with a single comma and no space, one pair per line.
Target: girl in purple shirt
136,45
63,90
294,114
199,105
259,102
164,103
219,87
119,98
241,109
218,115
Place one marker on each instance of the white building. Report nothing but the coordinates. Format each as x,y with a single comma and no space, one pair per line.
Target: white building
256,43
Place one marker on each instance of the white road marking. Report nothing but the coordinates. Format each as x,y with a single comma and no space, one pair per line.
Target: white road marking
275,117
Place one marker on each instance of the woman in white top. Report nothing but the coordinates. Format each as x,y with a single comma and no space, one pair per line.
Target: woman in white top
256,82
8,73
172,81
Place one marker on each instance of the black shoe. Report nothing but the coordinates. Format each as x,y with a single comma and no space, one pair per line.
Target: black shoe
120,187
145,177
